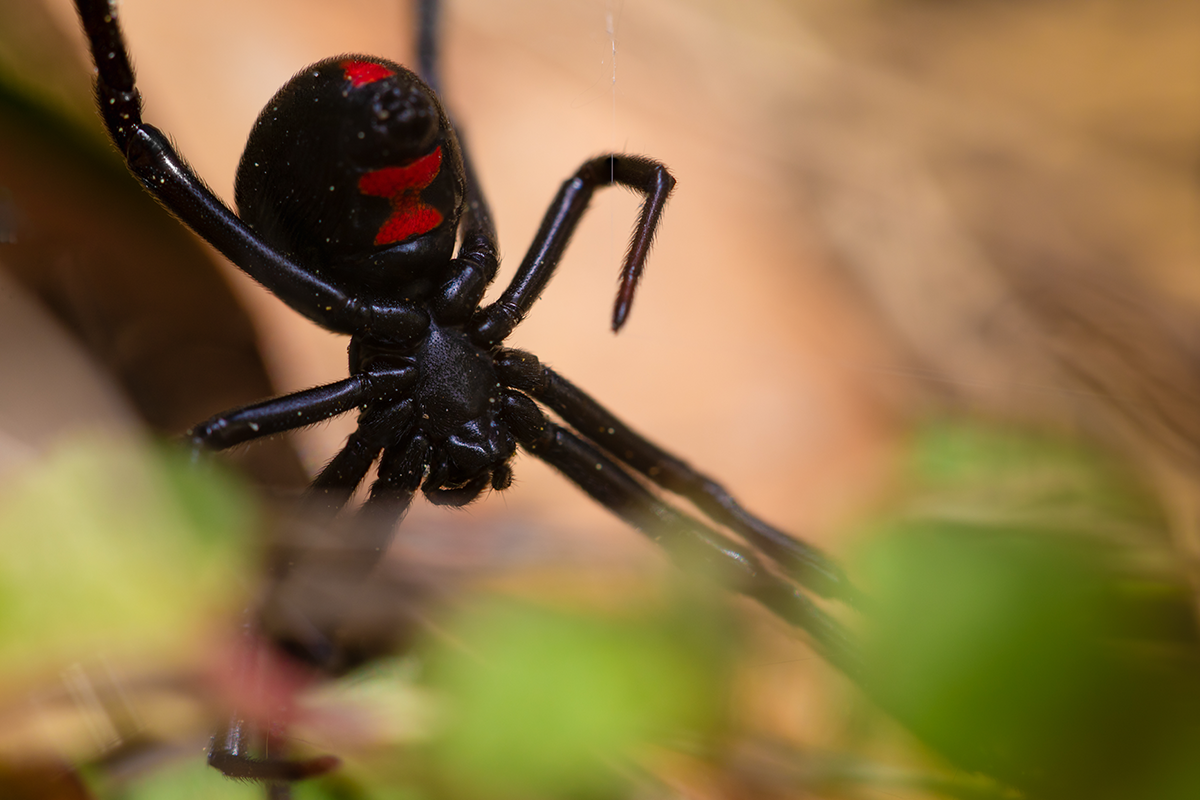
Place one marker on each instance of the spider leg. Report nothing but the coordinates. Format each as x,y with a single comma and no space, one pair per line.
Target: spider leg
478,258
152,158
474,268
429,23
276,415
300,409
689,541
401,470
228,753
641,174
802,561
315,641
331,489
306,604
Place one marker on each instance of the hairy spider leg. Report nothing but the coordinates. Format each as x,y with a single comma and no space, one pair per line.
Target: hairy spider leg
643,175
349,557
331,489
478,256
401,470
805,563
231,755
693,544
299,409
478,259
151,157
429,23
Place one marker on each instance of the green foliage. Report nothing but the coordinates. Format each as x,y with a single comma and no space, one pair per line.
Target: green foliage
1031,651
548,704
189,779
112,546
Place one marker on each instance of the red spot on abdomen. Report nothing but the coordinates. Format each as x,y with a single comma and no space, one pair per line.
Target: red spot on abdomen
360,73
402,187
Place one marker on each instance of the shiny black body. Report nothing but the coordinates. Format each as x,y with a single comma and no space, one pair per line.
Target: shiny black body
352,192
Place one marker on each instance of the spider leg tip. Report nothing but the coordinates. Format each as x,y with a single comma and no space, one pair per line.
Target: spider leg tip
620,316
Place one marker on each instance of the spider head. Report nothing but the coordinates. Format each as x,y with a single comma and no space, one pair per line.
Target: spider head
353,168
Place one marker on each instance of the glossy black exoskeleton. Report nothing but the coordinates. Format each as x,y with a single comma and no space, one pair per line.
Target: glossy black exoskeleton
352,192
353,166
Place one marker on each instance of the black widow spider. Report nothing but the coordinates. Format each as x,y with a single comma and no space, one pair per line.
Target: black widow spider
352,193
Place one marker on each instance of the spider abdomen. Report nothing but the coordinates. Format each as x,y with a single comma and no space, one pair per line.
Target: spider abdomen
353,167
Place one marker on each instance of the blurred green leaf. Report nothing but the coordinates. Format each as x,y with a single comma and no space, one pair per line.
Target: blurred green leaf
985,639
548,703
111,544
189,779
1015,634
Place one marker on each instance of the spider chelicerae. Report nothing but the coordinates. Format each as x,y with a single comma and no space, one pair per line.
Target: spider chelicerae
359,208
